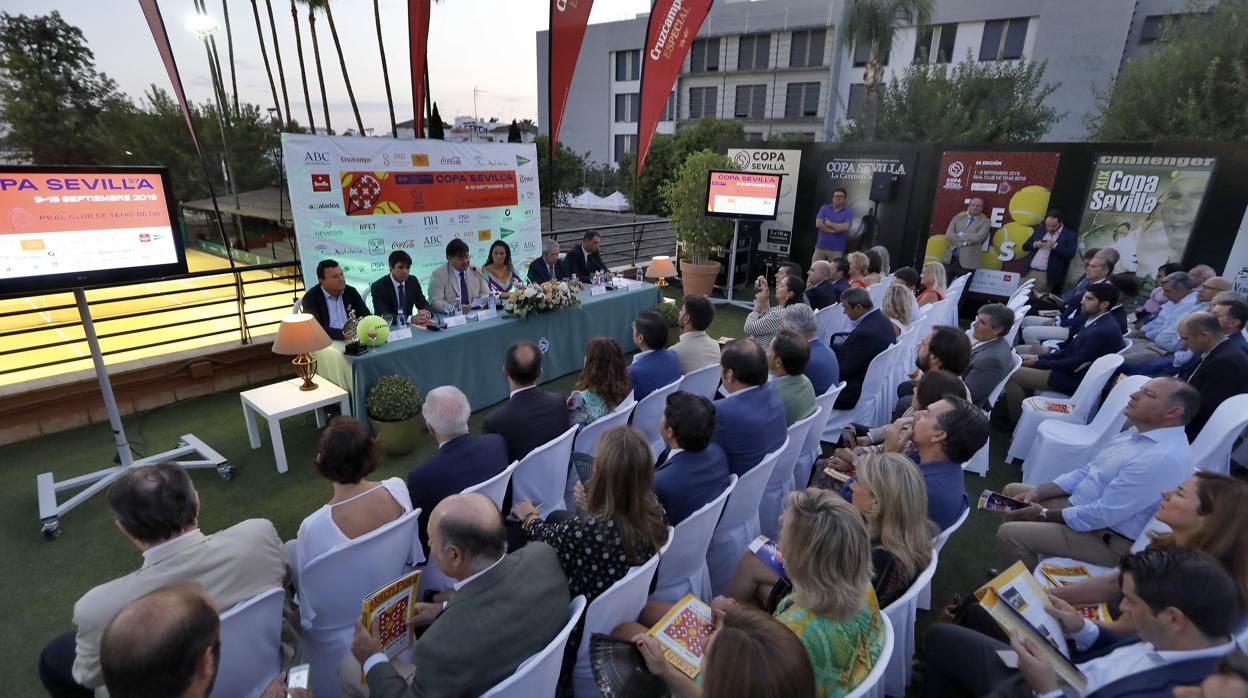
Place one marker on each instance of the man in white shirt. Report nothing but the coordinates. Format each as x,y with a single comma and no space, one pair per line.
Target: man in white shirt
695,349
1160,336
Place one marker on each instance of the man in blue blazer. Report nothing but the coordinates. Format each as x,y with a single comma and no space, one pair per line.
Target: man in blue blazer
827,282
1052,246
655,365
1061,370
749,423
692,471
1221,369
532,416
1035,329
332,300
547,267
822,369
871,335
462,460
387,290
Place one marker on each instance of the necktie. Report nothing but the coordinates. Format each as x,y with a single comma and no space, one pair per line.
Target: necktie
463,289
551,269
402,299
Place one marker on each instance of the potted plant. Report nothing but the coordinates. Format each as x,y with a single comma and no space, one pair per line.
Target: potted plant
697,234
394,409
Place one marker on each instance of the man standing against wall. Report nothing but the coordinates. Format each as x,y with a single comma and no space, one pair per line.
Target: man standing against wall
833,223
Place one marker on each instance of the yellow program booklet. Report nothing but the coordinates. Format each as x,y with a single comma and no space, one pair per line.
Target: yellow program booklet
389,608
683,632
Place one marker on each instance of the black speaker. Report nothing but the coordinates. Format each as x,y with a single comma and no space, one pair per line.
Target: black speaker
884,186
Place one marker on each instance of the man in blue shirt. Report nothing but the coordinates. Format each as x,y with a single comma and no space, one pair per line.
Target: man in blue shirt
1096,512
822,369
833,223
655,365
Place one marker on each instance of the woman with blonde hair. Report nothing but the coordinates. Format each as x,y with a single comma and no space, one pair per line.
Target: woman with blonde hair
896,306
890,494
934,283
859,267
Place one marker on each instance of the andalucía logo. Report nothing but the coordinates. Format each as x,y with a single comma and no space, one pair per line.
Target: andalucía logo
320,182
521,160
505,232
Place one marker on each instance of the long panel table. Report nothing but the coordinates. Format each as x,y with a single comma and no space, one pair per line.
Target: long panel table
471,357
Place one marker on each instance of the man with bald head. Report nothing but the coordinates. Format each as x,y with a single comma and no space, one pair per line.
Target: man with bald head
164,643
1202,273
823,290
532,416
1220,372
505,608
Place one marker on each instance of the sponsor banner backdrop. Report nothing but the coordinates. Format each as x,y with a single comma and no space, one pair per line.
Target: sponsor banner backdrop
1015,187
853,172
1144,206
776,235
356,200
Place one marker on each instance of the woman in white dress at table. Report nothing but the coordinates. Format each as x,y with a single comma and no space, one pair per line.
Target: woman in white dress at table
500,273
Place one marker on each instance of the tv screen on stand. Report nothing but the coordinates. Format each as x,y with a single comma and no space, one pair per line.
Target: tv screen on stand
742,195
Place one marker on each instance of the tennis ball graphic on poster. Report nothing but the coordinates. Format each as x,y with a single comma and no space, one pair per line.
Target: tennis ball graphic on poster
1029,204
1007,245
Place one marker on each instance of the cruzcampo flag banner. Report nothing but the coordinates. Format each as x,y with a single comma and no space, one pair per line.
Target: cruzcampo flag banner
567,29
356,200
673,24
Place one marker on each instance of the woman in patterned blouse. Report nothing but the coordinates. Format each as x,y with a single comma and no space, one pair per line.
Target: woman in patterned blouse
604,382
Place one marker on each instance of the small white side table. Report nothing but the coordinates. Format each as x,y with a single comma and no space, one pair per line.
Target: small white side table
280,400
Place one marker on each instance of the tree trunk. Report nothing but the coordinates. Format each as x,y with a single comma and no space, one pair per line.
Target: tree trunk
268,69
385,69
277,53
342,63
320,72
871,83
303,70
229,43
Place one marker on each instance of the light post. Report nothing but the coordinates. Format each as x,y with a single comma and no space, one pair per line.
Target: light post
204,26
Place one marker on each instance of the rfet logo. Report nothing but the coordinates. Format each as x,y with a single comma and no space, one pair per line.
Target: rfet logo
313,156
321,182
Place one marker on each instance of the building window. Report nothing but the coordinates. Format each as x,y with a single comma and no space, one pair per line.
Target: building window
669,109
752,52
806,49
862,51
1003,39
704,56
801,99
935,44
625,143
627,108
857,101
703,101
753,135
1155,25
751,102
628,65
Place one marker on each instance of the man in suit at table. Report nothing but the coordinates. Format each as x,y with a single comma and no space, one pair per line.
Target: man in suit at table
462,460
547,267
1220,373
872,334
749,423
654,366
585,260
399,292
457,281
506,608
532,416
691,471
331,300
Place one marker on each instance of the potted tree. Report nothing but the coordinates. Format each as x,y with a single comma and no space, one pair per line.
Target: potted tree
697,234
394,409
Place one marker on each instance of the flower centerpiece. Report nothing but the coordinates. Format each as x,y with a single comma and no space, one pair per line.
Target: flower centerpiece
543,297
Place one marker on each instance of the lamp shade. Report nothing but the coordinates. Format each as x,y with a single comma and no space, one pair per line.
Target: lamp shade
300,334
661,267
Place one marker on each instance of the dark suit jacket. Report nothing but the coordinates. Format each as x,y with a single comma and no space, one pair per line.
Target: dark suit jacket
1059,257
990,361
688,480
314,304
539,274
749,425
872,335
653,371
823,370
462,462
1068,363
386,300
1222,374
823,294
528,420
577,263
489,627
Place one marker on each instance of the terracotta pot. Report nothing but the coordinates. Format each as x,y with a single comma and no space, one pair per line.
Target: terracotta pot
698,279
398,438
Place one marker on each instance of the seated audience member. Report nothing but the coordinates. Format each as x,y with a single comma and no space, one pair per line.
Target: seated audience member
1231,310
1128,286
750,655
789,269
506,608
822,369
604,382
332,300
749,423
932,387
787,357
859,268
1035,329
763,322
462,460
872,334
1229,680
1160,336
547,267
585,260
1201,273
532,416
1220,372
691,471
1096,512
695,349
1182,637
455,285
346,456
945,348
157,508
907,277
825,284
1062,369
991,358
164,643
399,293
653,366
934,284
1157,296
896,305
878,263
1184,359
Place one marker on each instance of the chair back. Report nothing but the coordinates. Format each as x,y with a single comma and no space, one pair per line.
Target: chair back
496,487
587,438
703,381
683,570
1089,391
539,675
780,482
738,525
875,386
876,291
811,450
1000,387
903,364
541,475
647,413
873,685
1019,314
831,319
1153,526
943,537
1212,448
1127,343
1017,301
902,613
251,645
1060,447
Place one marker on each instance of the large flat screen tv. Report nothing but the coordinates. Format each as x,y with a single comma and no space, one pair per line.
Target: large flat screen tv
64,227
742,195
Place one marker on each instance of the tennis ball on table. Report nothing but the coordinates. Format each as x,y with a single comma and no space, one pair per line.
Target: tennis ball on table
1029,205
373,331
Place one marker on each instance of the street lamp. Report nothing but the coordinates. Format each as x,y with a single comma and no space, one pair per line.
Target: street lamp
201,25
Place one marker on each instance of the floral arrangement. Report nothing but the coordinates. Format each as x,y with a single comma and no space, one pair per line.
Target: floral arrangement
544,297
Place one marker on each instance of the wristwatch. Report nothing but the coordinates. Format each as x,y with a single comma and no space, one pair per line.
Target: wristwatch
1044,515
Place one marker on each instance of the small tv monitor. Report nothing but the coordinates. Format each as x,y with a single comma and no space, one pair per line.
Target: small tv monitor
742,195
65,227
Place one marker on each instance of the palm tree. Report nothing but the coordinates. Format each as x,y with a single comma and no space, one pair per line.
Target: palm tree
264,53
316,53
873,22
342,61
303,70
277,53
385,69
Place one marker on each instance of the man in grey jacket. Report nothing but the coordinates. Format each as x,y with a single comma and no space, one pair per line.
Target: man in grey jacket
991,356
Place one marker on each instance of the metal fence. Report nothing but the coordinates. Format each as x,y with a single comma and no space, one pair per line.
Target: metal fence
624,245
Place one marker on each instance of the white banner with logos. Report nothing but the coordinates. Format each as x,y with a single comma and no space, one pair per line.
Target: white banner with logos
776,236
355,200
1237,262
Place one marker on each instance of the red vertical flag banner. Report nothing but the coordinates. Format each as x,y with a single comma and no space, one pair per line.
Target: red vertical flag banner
673,25
418,41
157,25
567,30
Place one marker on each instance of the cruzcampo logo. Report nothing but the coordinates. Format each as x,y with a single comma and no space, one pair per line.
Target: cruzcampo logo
521,160
505,232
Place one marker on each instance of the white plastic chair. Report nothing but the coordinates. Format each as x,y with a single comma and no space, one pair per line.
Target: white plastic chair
738,525
496,487
1127,343
901,613
647,413
1080,405
334,584
704,381
830,320
541,476
539,675
938,544
811,450
251,645
684,570
1060,447
780,482
1211,450
586,440
622,603
978,463
903,365
1012,336
873,685
868,409
876,291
